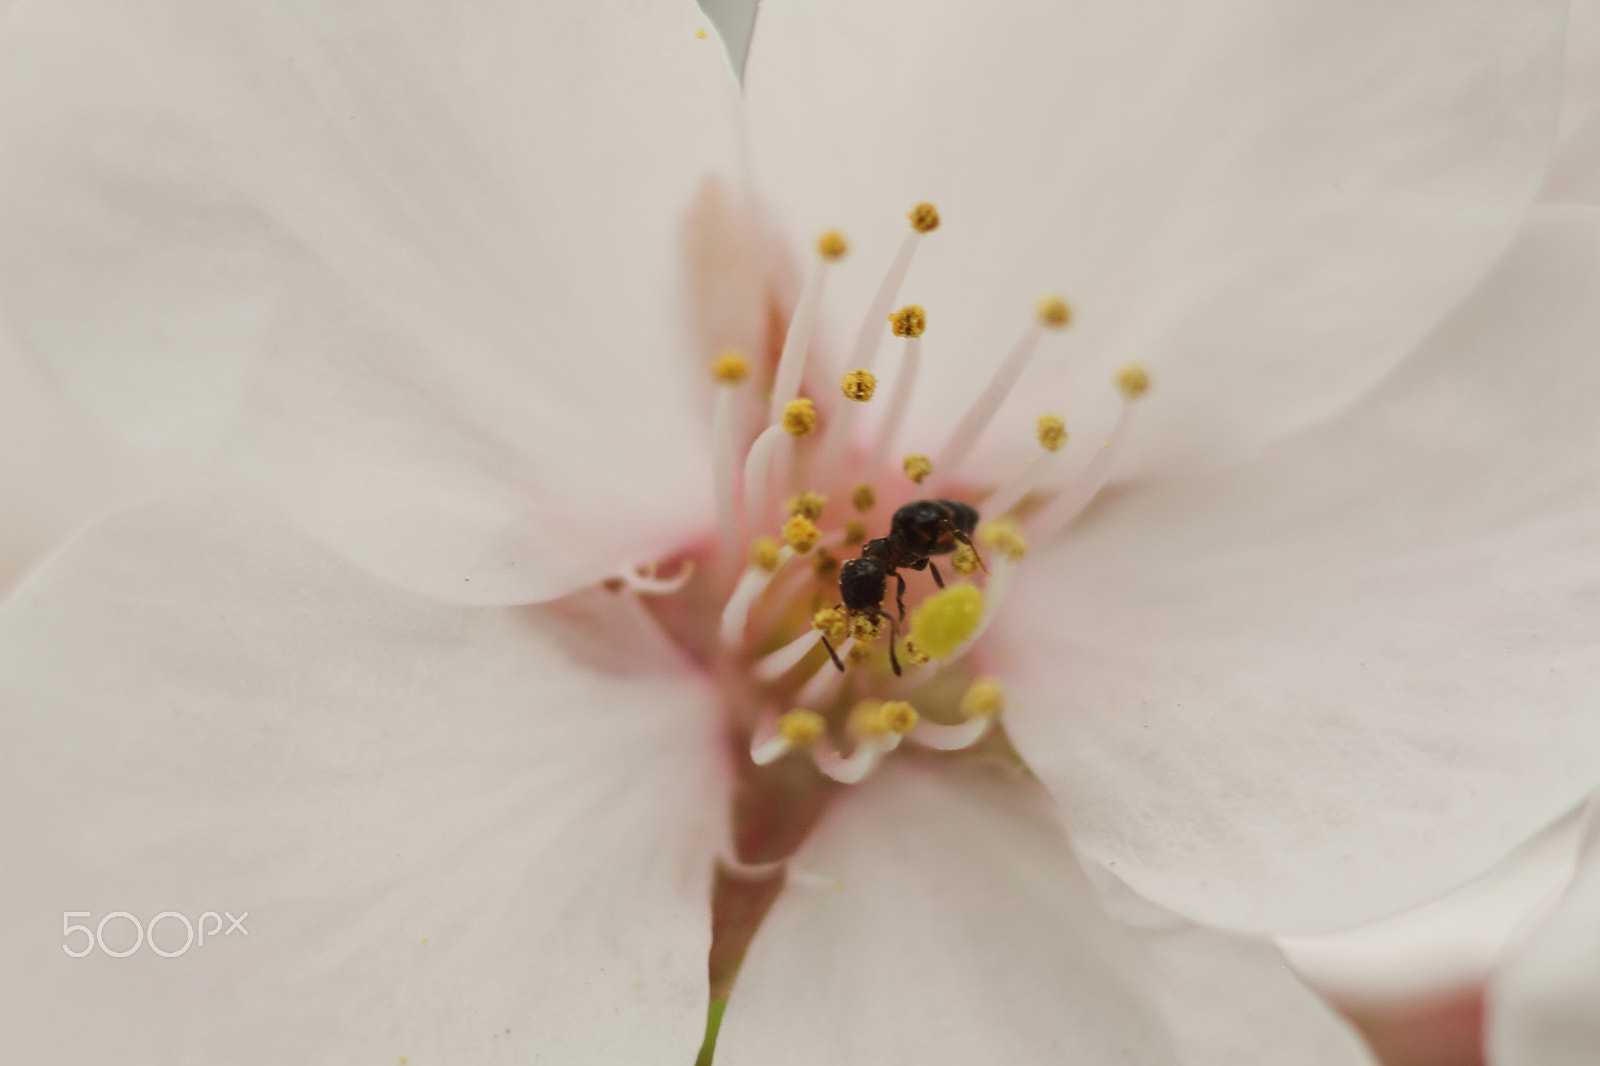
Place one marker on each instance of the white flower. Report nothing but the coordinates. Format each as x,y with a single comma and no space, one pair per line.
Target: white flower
444,282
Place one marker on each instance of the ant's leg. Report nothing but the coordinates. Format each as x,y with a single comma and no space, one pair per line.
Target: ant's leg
938,578
964,539
894,635
900,594
833,654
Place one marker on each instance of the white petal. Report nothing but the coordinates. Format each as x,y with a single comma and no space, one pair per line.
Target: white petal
1340,680
57,469
1575,172
939,917
422,270
460,834
1544,1006
1269,203
1231,998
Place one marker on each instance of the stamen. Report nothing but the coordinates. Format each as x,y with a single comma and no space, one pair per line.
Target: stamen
983,698
917,467
908,322
798,728
1132,381
956,737
965,561
831,247
945,620
1003,536
644,582
799,418
858,385
1052,433
801,533
767,554
824,685
853,770
775,664
728,370
924,218
752,583
864,498
1051,313
809,504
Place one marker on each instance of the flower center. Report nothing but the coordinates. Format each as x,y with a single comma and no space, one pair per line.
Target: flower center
858,582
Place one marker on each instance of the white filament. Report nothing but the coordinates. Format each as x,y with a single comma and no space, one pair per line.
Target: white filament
864,353
951,737
757,472
777,663
1060,512
797,342
752,583
904,383
983,409
722,467
1011,493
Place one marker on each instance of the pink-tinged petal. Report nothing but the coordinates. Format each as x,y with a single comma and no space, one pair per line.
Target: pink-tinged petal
1575,171
462,835
421,270
1337,681
1269,203
938,916
1544,1005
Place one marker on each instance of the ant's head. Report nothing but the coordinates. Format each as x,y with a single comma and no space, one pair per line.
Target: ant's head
862,583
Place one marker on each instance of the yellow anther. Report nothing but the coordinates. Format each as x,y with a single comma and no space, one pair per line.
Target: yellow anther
864,498
1052,433
1052,312
915,655
858,385
944,620
801,533
924,218
799,417
964,560
802,728
866,718
833,623
730,367
1133,380
897,716
859,653
1003,536
701,34
824,563
766,553
854,533
809,504
910,321
917,467
866,628
983,697
832,246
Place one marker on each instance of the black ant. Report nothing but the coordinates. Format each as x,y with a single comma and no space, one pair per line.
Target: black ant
920,529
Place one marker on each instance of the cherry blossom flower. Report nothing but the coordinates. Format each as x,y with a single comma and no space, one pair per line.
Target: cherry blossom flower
446,286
